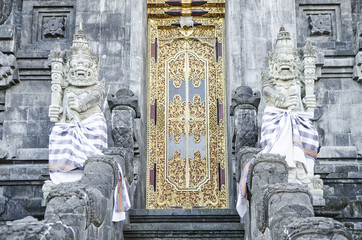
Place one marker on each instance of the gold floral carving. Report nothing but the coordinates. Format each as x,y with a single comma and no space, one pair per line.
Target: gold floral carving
186,58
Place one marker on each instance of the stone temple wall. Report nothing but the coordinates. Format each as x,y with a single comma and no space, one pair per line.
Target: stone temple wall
117,30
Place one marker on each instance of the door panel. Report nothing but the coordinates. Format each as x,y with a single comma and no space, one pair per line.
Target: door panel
187,156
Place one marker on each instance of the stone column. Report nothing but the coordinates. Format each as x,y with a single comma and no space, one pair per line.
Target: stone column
124,110
244,108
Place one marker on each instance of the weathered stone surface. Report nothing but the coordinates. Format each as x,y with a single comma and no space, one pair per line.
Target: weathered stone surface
267,169
78,210
31,228
315,228
32,153
243,156
274,204
338,152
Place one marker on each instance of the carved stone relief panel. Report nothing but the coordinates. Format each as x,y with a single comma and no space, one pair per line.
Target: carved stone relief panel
320,24
319,21
324,23
47,22
52,24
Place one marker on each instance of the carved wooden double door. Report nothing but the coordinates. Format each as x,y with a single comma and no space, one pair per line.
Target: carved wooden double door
187,155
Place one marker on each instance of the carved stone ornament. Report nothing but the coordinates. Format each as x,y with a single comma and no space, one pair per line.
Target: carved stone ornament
320,25
76,91
357,68
284,200
244,97
53,27
315,228
123,98
7,69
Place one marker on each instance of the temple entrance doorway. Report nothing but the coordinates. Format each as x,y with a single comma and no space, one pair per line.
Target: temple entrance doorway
186,140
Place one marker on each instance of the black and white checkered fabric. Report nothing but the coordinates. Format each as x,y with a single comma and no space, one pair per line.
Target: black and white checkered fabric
71,144
304,134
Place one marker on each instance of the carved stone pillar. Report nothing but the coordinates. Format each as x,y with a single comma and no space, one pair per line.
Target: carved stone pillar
309,61
281,203
244,108
124,110
265,170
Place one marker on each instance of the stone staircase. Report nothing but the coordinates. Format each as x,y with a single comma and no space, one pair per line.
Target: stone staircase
184,224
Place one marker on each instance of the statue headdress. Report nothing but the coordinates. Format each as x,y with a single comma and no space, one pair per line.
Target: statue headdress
81,46
84,71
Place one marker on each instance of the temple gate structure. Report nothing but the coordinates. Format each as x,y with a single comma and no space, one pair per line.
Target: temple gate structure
186,84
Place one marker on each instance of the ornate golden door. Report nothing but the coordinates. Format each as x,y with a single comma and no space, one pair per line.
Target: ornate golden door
187,155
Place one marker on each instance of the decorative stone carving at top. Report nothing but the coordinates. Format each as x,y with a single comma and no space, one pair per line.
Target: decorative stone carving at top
76,91
320,25
123,98
53,27
7,44
7,69
244,97
287,128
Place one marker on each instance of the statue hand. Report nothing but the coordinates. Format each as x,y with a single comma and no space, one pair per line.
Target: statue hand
73,102
310,102
54,112
292,101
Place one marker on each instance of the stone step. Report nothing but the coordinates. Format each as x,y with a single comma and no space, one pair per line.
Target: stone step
184,224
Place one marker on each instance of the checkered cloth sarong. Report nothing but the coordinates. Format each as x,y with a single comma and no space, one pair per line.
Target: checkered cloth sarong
71,144
304,134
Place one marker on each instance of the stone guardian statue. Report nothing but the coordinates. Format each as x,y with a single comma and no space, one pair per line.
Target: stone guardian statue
290,102
80,128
